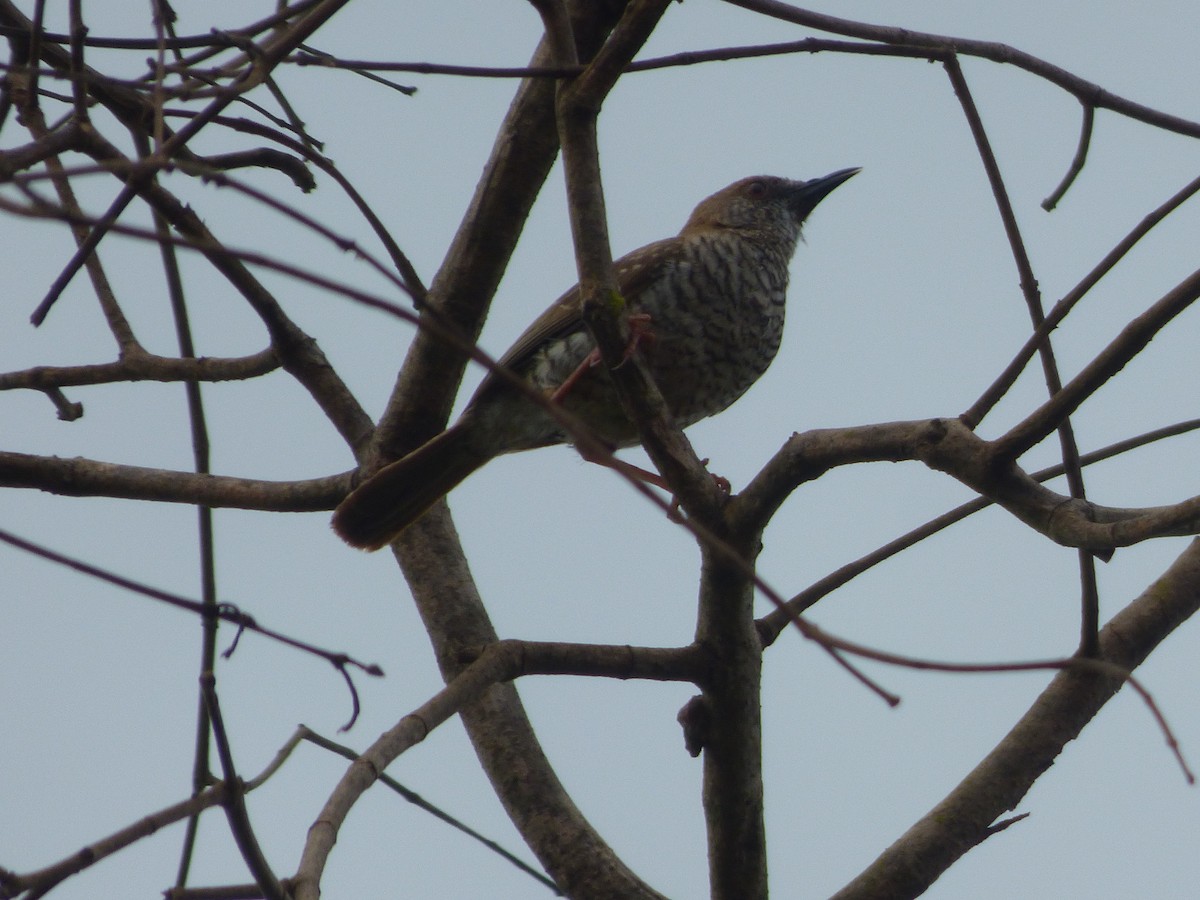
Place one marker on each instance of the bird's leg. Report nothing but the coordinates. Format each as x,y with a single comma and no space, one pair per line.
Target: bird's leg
645,475
589,362
625,468
639,332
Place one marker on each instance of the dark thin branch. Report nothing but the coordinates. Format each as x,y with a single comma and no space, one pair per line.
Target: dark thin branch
85,255
937,44
43,880
1132,340
412,283
226,612
235,799
499,663
366,66
294,122
421,803
40,207
264,158
33,54
313,56
1089,598
198,425
1063,307
1077,163
86,238
78,34
174,43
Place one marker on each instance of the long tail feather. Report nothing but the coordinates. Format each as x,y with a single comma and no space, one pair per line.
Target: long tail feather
398,494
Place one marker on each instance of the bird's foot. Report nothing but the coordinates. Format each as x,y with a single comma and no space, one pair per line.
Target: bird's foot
722,483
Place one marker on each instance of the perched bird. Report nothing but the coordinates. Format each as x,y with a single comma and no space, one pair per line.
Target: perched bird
713,303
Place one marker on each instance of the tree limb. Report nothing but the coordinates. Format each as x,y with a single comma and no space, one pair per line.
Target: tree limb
1075,696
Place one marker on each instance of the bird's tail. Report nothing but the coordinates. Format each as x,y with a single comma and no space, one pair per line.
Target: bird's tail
396,496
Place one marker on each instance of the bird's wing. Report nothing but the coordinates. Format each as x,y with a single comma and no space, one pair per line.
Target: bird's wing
633,272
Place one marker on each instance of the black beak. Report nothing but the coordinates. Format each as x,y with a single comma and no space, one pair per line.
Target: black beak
808,195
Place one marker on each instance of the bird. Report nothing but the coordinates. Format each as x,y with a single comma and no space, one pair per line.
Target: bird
709,304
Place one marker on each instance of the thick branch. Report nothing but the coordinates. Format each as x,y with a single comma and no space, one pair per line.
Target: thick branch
732,742
949,446
579,105
770,625
606,661
433,561
965,818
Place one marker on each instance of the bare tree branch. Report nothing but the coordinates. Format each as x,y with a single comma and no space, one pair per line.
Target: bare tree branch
497,664
143,367
1087,92
999,782
43,880
235,799
1132,340
587,48
772,625
94,478
570,849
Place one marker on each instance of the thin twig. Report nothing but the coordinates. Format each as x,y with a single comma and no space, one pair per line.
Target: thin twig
226,612
938,45
1077,163
235,800
1089,598
987,401
421,803
1125,346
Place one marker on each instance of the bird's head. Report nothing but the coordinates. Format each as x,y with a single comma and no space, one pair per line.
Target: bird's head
765,204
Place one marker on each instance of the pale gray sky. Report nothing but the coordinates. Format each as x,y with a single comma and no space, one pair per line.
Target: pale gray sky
904,304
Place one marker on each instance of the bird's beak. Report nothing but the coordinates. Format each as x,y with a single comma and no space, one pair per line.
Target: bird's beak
809,194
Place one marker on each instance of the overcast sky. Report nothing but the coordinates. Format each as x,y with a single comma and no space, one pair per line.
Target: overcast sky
904,304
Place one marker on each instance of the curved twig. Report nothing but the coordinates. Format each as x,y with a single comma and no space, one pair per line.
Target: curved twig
1077,163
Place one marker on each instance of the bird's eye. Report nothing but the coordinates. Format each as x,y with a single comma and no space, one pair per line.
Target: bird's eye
756,190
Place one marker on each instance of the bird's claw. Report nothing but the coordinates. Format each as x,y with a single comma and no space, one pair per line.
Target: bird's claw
723,486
